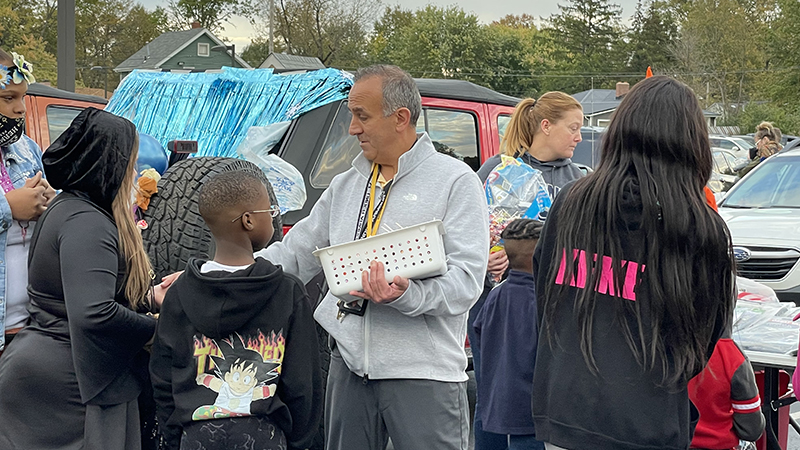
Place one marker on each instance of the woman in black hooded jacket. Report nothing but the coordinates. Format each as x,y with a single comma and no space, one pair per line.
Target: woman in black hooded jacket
71,379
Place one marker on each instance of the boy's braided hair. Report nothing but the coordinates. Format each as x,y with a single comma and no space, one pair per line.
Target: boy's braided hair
523,229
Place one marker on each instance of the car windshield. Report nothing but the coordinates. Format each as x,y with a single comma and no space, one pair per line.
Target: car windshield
775,183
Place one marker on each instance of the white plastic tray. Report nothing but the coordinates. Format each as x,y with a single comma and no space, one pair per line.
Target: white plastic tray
411,252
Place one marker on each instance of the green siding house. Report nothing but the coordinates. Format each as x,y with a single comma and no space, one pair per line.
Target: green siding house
189,50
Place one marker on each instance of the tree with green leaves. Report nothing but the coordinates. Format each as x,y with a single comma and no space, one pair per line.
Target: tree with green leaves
211,14
335,31
719,46
653,32
437,43
591,33
517,50
783,55
385,32
257,52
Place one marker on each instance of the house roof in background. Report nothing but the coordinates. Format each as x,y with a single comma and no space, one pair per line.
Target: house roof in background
599,101
596,101
294,62
163,48
152,55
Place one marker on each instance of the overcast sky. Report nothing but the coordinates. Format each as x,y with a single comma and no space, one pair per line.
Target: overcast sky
240,32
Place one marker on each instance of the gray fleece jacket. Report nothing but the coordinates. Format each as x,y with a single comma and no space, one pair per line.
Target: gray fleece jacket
421,334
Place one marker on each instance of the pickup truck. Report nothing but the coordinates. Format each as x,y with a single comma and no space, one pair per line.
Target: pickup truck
463,119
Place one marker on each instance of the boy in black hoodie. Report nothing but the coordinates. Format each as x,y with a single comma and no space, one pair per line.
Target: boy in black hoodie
235,358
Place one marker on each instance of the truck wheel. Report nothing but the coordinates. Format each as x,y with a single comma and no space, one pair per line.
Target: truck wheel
175,231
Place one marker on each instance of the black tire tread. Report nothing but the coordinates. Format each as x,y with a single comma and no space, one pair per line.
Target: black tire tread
176,231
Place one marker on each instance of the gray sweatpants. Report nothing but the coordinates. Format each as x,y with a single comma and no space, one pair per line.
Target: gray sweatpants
416,414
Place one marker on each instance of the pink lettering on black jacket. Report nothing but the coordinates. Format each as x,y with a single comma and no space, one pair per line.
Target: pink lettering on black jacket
605,284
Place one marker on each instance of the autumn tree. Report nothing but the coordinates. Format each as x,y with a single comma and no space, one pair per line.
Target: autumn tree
16,20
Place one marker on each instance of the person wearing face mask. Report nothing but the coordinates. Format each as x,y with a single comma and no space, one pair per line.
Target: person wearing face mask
542,132
26,194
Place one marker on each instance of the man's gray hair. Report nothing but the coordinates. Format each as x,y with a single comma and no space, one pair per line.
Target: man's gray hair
398,88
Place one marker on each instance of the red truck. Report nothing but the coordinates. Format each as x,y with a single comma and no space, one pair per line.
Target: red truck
51,110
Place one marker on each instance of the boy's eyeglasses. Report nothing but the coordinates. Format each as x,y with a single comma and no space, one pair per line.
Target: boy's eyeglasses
273,212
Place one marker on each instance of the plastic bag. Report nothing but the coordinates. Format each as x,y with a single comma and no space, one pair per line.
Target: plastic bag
766,326
748,289
286,180
514,190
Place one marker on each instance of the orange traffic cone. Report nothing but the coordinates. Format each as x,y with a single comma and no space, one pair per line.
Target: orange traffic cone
649,72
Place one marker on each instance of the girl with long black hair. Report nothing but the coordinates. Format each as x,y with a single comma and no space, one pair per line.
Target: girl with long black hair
636,282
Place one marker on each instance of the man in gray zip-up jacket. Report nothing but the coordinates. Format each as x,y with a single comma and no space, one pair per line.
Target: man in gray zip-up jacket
398,370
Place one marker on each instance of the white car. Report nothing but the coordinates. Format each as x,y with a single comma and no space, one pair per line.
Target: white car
763,214
738,146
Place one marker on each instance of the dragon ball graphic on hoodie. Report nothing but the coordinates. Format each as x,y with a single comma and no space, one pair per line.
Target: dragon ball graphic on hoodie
242,371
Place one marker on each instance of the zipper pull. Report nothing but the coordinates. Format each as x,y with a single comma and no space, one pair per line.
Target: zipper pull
365,379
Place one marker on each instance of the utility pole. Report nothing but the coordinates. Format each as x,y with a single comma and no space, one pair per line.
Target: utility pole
271,25
66,45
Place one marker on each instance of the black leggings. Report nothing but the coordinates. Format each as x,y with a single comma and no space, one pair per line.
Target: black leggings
235,433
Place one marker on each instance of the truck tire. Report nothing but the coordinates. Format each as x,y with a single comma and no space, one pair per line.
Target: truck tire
175,231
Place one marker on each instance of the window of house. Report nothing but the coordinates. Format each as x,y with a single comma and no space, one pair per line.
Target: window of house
453,133
203,49
603,122
58,119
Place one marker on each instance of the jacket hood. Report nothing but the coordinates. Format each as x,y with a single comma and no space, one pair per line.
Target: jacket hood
631,206
222,302
91,157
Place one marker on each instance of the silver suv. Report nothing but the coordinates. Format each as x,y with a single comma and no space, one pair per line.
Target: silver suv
763,214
